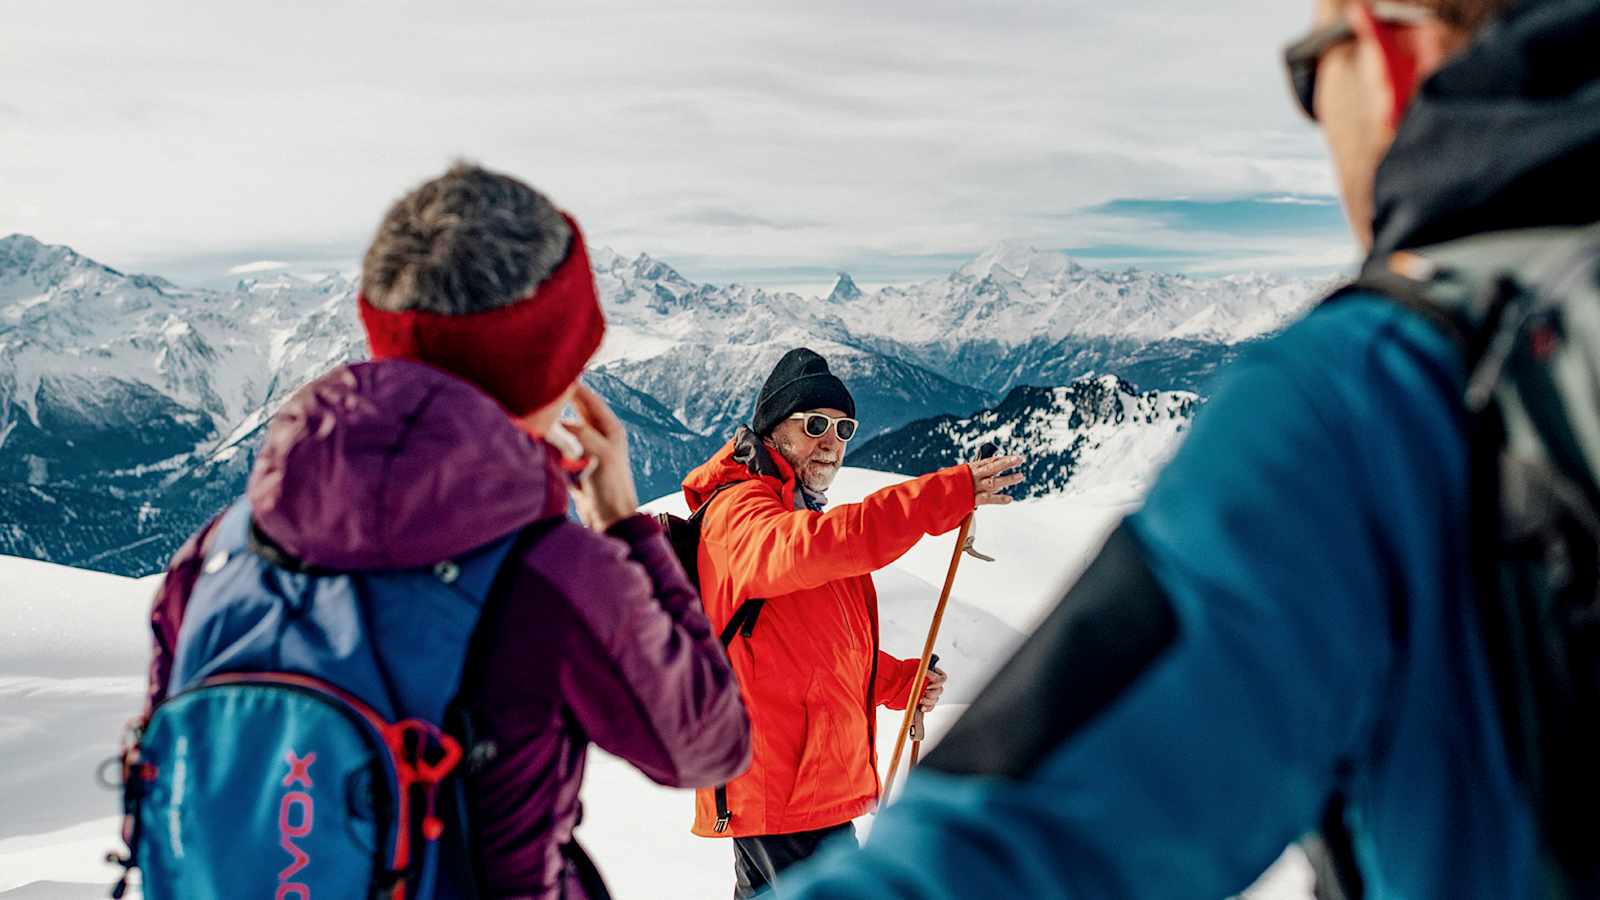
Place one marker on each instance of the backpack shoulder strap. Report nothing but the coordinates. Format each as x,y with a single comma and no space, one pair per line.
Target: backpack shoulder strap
1466,287
742,622
1412,294
699,514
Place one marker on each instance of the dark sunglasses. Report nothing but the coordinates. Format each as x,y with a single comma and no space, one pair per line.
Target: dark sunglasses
1301,57
817,425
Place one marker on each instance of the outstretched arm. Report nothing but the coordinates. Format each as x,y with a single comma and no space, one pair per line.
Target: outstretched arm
773,551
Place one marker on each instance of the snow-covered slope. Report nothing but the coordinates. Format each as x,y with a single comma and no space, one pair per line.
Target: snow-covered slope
1096,434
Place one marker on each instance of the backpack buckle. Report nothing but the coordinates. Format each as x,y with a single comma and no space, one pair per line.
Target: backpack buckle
721,823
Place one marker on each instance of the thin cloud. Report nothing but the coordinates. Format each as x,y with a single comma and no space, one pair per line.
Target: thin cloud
265,265
728,217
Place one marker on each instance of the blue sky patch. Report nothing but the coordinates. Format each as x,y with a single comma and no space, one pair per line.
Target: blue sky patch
1260,214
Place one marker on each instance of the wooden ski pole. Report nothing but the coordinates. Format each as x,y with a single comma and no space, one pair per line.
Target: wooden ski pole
927,654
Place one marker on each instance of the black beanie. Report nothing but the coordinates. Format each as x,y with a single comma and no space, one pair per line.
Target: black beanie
799,382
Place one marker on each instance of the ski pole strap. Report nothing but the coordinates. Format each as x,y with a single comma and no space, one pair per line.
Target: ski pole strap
742,623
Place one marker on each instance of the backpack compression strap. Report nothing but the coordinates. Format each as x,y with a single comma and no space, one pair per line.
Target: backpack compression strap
742,623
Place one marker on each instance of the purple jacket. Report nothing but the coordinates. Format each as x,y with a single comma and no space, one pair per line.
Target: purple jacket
585,637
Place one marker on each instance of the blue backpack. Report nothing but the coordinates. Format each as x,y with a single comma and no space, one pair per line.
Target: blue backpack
303,748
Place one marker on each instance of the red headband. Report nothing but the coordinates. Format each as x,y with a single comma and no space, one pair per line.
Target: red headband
524,355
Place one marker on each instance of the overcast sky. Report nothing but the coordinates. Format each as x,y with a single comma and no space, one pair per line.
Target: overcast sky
772,142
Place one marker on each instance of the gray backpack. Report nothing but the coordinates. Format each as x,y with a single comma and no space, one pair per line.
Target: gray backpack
1524,307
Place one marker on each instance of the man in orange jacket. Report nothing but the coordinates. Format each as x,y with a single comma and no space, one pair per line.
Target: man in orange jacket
812,673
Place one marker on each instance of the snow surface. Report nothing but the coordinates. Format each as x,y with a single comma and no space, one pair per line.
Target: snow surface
73,646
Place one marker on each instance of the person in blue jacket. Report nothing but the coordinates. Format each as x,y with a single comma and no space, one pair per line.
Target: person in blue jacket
1286,626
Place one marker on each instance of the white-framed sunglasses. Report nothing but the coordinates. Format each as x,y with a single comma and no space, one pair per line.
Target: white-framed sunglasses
816,425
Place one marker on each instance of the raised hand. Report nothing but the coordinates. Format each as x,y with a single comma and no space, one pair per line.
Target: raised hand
989,479
605,493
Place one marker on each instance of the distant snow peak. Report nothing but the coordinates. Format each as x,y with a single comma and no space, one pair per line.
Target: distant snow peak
602,259
648,268
280,285
18,242
845,289
1019,260
22,254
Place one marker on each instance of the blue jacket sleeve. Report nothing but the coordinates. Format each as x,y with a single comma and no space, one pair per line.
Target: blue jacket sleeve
1319,467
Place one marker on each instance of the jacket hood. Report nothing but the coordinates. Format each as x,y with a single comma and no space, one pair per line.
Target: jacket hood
1505,136
396,464
741,459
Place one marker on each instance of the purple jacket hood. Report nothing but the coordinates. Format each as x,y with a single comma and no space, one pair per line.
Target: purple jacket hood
396,464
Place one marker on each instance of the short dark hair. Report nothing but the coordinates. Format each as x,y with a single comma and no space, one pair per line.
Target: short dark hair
468,241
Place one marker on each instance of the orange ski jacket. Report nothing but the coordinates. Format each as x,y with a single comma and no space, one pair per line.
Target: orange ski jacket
811,671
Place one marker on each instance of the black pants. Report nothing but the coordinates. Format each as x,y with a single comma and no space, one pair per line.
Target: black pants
758,860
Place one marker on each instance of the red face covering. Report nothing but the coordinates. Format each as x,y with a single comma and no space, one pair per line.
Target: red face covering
524,355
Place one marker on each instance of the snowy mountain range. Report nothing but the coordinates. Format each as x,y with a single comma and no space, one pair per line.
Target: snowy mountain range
130,407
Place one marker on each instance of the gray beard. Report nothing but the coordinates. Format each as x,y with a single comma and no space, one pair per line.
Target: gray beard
802,472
